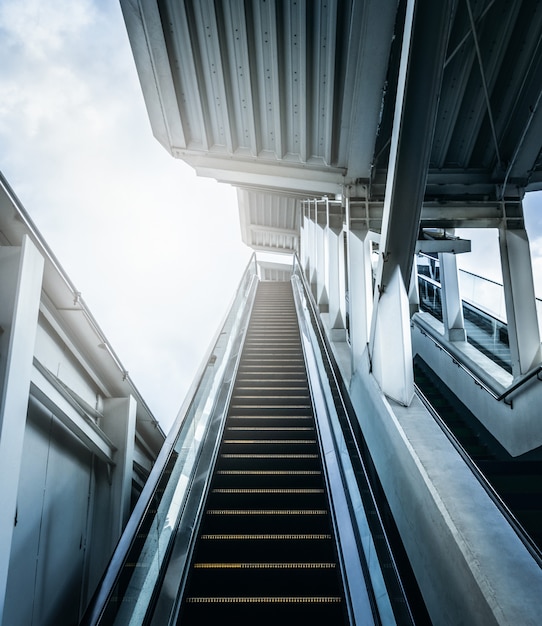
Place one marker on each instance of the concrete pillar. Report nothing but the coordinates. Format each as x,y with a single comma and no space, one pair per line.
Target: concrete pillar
21,272
391,347
335,273
452,308
427,27
313,249
321,256
523,331
119,424
413,291
303,238
309,241
360,288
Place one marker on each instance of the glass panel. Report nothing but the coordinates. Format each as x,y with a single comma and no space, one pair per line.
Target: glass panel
483,310
134,588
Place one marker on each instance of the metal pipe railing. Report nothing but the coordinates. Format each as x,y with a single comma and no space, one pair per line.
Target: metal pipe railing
478,381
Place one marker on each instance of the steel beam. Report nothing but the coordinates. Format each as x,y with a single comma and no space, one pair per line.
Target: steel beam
422,61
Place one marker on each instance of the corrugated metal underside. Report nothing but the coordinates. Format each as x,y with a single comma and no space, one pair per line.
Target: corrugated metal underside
296,99
268,221
270,80
489,124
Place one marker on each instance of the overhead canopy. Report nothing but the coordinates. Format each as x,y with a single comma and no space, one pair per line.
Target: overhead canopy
296,99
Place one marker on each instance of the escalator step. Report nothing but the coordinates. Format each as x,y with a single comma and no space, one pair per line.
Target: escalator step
265,551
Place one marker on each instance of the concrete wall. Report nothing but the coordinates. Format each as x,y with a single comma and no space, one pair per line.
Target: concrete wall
471,566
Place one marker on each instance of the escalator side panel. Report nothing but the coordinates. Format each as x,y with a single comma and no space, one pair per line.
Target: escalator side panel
265,549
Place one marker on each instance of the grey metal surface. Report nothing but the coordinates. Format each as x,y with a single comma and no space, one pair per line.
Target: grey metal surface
297,99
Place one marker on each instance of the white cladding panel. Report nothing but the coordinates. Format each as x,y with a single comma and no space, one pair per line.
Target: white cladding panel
51,530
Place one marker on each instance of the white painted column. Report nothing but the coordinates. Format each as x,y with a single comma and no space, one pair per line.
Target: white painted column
309,236
360,287
391,355
321,256
414,291
313,270
335,273
119,424
421,69
523,331
303,238
21,272
452,308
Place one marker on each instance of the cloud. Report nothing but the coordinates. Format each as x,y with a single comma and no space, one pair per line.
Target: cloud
155,251
41,29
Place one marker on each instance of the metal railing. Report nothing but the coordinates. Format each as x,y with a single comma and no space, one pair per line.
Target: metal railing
480,318
487,333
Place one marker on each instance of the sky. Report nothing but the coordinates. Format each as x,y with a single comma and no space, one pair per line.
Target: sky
155,251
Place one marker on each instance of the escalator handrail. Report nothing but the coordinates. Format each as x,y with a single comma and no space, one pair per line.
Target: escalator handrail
414,320
99,600
347,409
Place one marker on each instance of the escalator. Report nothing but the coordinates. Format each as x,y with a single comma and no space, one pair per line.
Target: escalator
242,520
265,549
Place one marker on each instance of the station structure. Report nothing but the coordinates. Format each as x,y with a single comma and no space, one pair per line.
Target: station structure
363,138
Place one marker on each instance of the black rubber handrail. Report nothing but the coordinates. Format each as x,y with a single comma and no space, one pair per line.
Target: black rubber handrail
498,397
365,472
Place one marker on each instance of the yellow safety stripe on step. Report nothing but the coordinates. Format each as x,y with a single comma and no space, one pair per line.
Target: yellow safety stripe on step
280,359
267,490
270,441
273,428
269,456
256,537
272,396
288,407
266,512
265,600
270,417
253,387
270,472
257,364
264,565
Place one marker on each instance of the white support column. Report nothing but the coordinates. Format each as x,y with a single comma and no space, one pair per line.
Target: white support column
523,331
391,333
335,273
321,256
423,53
308,240
414,292
119,425
303,238
313,271
452,308
21,272
360,290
